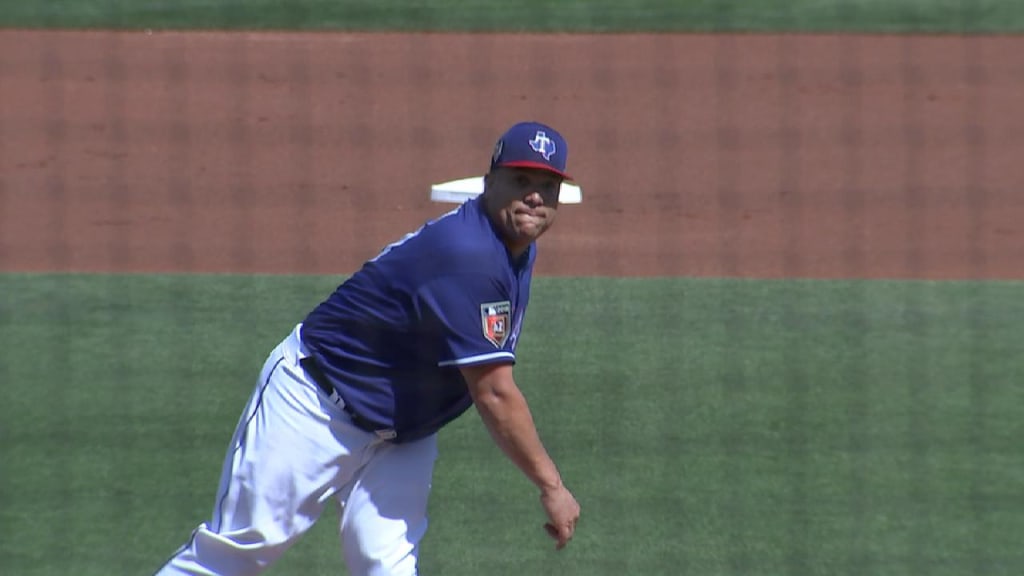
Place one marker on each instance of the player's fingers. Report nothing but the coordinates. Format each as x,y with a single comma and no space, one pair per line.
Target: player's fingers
563,541
562,535
556,535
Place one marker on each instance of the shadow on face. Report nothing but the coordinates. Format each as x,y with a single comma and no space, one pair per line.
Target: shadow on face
522,202
531,186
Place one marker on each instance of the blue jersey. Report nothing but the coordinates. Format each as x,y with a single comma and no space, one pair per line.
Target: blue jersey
391,338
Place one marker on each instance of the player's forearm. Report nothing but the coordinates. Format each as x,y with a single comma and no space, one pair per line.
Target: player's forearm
507,417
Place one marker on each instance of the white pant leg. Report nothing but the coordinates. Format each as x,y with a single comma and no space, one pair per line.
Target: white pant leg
384,510
291,452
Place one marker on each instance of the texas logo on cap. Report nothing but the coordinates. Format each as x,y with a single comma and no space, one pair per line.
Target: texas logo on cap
532,145
543,145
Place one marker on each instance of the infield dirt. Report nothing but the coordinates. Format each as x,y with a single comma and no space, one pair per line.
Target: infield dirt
699,155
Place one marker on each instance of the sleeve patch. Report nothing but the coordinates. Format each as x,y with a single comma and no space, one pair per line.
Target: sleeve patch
495,318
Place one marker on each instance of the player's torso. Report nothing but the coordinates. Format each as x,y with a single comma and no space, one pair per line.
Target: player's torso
392,338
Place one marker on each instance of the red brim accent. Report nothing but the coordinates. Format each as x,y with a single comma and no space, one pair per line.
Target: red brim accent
537,165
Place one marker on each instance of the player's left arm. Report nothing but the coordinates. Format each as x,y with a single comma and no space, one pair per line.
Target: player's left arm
507,416
505,412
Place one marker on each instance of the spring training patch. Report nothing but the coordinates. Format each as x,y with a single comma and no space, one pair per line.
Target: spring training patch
495,318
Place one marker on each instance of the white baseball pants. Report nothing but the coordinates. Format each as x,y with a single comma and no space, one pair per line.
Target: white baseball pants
292,452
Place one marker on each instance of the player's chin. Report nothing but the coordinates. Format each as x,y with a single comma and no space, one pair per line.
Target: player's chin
533,229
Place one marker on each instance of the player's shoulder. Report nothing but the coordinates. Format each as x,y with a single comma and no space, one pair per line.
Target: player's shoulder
463,232
459,243
458,255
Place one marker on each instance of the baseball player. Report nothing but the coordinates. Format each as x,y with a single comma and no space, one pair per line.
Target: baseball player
347,407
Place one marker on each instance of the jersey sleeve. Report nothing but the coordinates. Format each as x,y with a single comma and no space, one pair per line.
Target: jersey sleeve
471,316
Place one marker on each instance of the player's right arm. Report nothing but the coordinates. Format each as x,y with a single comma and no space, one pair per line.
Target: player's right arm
507,416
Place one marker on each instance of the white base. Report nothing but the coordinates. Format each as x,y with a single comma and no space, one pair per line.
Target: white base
458,191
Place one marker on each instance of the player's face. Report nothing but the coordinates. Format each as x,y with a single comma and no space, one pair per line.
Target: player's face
523,203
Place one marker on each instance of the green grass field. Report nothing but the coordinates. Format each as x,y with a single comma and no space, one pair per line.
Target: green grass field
708,427
956,16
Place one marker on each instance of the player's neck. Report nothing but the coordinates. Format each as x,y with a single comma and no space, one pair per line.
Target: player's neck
516,250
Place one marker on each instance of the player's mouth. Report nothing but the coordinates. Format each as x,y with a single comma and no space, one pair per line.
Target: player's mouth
528,216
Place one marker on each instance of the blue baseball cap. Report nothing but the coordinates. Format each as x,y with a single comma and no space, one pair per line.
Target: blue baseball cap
531,145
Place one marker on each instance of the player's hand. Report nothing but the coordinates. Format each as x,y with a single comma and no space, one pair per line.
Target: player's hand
563,511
